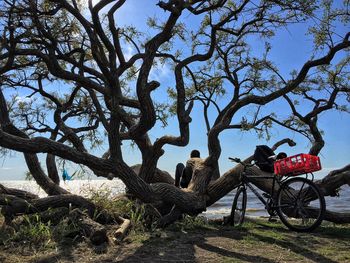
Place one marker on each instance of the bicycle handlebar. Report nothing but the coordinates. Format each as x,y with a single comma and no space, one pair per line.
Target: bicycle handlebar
238,160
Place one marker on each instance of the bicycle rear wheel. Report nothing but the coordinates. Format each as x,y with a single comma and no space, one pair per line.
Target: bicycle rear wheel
300,205
239,206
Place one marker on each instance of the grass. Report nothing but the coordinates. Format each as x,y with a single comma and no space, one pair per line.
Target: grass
104,200
327,242
30,231
254,241
33,233
189,223
193,237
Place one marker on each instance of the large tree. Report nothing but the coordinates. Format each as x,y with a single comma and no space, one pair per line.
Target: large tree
87,79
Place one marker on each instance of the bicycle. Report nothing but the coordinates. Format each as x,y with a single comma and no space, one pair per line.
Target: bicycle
298,202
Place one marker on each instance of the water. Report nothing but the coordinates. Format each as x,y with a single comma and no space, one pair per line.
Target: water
256,208
218,210
79,187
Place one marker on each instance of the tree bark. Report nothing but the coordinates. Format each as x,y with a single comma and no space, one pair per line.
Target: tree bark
13,206
18,193
54,216
52,169
96,232
334,180
159,175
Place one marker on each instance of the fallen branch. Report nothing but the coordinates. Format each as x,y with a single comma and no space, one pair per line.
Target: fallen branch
13,206
121,232
16,192
96,232
54,216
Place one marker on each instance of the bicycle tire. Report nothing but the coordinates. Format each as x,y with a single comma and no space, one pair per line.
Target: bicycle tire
300,205
239,206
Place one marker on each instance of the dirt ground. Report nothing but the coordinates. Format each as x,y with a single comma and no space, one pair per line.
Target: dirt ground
254,242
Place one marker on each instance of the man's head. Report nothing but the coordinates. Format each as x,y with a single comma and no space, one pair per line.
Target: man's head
195,154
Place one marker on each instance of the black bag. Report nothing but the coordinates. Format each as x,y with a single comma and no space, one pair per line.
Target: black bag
261,158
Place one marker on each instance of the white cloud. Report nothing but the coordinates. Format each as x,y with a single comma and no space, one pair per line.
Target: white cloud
128,51
160,72
20,99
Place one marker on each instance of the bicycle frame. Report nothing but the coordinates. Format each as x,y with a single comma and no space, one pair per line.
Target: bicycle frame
246,182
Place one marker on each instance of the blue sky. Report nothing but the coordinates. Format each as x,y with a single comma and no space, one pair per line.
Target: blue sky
291,49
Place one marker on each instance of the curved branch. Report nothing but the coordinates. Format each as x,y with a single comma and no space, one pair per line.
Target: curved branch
225,118
143,87
31,159
115,32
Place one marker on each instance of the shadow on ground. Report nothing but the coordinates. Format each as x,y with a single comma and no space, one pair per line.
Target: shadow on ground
258,242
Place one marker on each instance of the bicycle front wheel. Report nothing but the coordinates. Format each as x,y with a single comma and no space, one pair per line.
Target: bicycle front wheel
239,206
300,205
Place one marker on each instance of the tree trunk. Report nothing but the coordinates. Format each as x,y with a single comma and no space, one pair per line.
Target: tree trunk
159,176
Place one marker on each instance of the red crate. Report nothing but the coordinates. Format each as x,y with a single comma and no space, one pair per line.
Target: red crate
297,164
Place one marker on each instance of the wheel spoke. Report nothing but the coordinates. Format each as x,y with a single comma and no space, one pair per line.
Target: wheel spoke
238,207
295,211
288,193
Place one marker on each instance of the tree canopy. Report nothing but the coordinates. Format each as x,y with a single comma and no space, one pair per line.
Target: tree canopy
73,78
